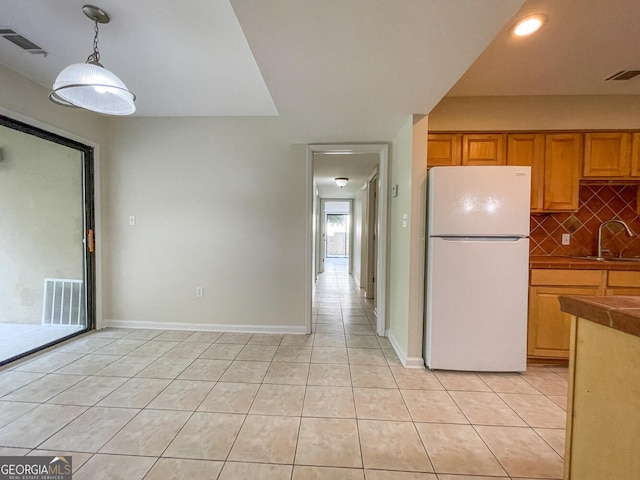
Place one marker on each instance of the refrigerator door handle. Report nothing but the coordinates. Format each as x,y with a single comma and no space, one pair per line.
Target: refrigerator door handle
458,238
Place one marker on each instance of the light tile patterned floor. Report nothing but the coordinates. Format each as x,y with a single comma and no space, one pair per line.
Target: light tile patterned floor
142,404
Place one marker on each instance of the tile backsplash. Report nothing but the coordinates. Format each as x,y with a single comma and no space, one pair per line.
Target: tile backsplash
597,204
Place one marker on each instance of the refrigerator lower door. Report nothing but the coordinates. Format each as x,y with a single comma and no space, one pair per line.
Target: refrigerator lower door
476,304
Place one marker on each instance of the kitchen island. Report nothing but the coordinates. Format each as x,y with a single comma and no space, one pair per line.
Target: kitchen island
603,414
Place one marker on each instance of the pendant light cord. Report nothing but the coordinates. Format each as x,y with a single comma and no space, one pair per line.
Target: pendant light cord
94,58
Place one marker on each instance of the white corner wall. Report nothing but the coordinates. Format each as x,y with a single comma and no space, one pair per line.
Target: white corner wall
398,241
219,204
406,243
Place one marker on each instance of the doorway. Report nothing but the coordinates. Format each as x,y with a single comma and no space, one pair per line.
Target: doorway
47,287
337,236
316,243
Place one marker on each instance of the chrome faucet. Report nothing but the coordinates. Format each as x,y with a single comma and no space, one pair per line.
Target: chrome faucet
607,222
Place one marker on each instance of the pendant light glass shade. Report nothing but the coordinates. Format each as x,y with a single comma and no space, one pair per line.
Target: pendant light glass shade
90,86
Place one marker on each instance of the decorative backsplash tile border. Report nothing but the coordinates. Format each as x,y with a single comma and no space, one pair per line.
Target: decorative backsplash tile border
597,204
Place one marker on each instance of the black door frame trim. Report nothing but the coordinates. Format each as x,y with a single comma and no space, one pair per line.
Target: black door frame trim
89,221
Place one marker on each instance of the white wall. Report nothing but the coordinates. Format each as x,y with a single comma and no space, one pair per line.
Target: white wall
41,221
219,203
536,113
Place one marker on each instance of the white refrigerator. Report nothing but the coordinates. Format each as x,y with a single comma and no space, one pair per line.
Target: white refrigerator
477,268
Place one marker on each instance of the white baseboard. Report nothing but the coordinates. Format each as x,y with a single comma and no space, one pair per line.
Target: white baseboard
206,327
407,362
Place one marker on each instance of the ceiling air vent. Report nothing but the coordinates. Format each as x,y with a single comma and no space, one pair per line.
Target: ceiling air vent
623,75
21,41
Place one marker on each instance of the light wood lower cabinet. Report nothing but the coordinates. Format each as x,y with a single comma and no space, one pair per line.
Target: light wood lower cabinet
549,327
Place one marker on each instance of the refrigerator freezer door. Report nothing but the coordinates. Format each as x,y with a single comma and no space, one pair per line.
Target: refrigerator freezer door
476,305
479,201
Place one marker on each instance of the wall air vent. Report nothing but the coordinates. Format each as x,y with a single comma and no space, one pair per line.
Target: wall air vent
21,41
623,75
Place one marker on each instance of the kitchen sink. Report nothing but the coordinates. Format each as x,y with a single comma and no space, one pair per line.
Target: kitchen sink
608,259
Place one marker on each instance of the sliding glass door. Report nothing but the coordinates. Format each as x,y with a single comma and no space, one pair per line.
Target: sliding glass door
47,271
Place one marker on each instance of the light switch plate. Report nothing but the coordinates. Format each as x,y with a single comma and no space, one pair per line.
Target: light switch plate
566,238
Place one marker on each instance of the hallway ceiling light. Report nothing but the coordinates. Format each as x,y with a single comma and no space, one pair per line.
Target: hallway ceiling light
91,86
341,181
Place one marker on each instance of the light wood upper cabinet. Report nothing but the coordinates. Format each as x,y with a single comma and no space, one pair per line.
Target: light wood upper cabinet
527,149
443,149
484,149
607,155
563,155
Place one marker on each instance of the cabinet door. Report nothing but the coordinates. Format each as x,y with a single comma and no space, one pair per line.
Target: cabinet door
483,149
549,327
635,154
443,149
607,155
562,171
527,149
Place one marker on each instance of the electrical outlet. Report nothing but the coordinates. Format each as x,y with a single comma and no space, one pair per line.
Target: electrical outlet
199,292
132,219
566,238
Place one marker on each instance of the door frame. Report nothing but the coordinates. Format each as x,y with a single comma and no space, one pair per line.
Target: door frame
322,230
372,239
383,170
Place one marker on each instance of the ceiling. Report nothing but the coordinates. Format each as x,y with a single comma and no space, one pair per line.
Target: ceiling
582,44
335,71
356,167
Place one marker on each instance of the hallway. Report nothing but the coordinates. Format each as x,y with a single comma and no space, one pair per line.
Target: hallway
337,404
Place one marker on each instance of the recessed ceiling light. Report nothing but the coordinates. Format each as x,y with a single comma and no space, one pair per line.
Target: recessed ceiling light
529,25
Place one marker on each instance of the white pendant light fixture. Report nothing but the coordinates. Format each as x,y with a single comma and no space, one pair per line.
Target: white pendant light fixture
341,181
91,86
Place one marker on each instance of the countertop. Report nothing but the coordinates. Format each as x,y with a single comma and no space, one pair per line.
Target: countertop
618,312
545,261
